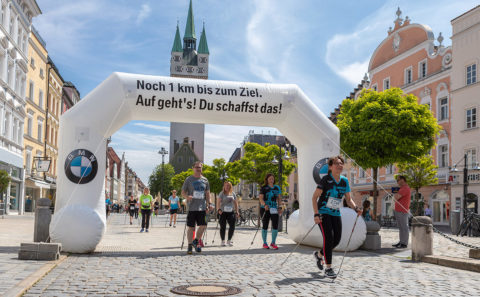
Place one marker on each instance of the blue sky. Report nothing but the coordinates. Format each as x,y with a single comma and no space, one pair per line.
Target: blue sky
322,46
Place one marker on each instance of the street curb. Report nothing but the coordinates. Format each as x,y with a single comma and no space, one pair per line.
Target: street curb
20,288
459,263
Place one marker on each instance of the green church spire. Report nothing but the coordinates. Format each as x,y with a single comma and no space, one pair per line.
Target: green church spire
177,43
203,46
190,28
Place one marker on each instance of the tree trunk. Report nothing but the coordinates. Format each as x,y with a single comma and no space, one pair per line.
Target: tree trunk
375,193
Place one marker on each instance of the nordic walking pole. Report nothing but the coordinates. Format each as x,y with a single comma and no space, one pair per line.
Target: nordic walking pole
346,249
258,228
215,231
298,245
183,238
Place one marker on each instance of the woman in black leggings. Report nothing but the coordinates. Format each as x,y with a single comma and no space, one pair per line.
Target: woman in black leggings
228,211
270,209
327,200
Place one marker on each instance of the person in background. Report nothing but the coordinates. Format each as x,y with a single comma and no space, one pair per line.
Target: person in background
366,211
402,208
174,203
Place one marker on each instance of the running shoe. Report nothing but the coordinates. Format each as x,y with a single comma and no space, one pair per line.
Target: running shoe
274,246
141,230
223,243
190,249
197,246
330,273
229,243
130,223
146,230
174,226
265,246
170,225
200,243
319,260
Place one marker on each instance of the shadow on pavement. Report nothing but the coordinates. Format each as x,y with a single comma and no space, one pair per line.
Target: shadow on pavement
316,277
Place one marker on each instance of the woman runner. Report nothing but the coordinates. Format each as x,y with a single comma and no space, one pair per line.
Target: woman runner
269,203
228,210
332,189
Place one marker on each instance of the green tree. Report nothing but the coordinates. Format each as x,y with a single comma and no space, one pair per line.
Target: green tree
420,173
4,181
382,128
257,162
161,177
179,179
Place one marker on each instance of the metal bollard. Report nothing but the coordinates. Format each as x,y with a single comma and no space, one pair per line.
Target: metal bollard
43,216
422,237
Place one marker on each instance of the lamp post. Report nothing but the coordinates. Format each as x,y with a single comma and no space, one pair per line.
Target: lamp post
162,152
285,145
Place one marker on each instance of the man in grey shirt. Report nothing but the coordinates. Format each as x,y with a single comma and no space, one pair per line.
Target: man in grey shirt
196,190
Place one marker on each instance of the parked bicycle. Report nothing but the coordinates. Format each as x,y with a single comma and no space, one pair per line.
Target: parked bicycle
246,216
470,225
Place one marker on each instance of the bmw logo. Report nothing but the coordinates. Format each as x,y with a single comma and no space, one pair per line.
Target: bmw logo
320,170
81,166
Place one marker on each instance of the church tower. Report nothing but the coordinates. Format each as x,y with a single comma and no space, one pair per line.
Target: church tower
187,61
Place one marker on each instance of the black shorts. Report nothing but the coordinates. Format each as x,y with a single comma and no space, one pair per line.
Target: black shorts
172,211
197,217
132,212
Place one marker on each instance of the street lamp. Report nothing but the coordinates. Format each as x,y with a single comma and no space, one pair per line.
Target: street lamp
162,152
279,162
465,179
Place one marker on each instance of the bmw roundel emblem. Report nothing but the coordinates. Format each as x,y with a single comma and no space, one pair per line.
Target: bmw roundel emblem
320,170
81,166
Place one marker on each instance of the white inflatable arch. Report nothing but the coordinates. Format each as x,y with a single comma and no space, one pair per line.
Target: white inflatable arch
79,220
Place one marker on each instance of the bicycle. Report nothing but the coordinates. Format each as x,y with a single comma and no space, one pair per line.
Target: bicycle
247,215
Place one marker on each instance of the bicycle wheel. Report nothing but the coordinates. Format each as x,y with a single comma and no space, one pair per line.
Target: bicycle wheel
254,219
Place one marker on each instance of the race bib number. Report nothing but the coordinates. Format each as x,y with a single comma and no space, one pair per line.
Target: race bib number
198,195
273,210
132,207
334,203
146,200
228,208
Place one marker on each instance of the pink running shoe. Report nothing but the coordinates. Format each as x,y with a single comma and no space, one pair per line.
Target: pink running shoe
274,246
200,243
265,246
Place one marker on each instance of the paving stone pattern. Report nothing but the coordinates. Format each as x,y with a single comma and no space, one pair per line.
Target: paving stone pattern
129,263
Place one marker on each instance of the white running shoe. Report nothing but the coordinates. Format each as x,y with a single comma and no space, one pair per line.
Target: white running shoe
223,243
229,243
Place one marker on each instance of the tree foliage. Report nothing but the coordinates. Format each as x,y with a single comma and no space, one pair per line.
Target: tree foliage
214,173
159,177
422,172
4,180
257,162
382,128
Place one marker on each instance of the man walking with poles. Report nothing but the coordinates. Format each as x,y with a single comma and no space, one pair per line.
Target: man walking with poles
196,190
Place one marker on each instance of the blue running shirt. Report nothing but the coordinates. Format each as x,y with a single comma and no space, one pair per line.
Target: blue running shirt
331,188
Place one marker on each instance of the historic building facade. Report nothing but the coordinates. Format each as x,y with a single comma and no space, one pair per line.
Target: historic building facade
188,61
15,26
465,94
34,136
411,59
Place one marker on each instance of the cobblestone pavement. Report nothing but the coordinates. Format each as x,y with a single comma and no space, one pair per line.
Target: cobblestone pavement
441,245
129,263
13,231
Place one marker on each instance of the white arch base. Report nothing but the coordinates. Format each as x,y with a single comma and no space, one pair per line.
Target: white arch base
79,221
297,229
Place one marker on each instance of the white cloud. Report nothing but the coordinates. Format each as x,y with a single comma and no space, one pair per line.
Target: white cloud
269,39
152,126
143,14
